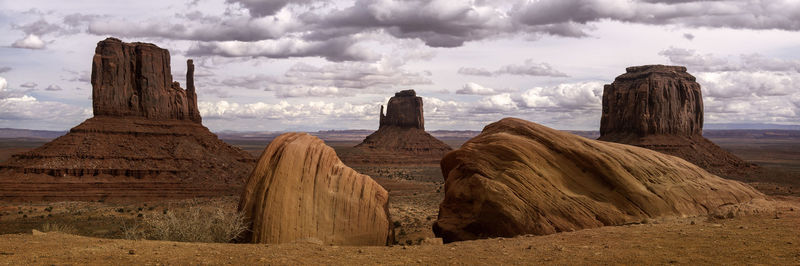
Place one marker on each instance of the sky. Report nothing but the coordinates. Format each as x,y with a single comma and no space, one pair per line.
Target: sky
308,65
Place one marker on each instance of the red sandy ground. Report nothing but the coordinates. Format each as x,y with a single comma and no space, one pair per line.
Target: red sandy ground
756,239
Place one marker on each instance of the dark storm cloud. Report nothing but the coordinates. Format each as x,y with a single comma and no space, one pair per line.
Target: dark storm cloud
739,14
337,79
29,85
78,76
261,8
208,29
696,61
475,71
39,27
437,23
53,87
336,50
330,31
527,68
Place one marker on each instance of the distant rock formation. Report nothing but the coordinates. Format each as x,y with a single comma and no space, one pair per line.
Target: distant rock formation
134,79
401,136
404,110
518,177
661,108
652,100
300,190
145,141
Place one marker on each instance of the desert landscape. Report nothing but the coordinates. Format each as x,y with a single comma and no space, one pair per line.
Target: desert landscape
400,132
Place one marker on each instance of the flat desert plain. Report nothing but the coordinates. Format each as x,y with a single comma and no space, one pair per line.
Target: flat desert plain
95,232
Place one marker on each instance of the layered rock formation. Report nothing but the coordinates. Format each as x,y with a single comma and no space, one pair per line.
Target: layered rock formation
518,177
661,108
404,110
401,136
146,139
134,79
301,190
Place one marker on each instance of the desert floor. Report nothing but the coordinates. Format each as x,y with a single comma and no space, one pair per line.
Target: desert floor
96,228
753,239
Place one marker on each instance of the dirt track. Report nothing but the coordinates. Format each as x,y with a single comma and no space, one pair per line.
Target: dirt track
759,239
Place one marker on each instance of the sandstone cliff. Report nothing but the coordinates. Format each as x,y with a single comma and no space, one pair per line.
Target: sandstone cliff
134,79
300,190
652,100
518,177
404,110
661,108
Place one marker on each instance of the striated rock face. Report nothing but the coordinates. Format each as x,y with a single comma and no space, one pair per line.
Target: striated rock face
300,190
134,79
404,110
652,100
401,136
518,177
661,108
145,141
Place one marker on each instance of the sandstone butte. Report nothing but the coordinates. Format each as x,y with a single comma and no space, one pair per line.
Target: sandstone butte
300,191
519,177
145,140
401,136
661,108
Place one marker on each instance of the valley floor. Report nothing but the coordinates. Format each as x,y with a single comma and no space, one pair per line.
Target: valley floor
767,238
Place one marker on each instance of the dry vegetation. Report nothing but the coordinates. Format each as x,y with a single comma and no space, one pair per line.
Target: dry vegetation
197,221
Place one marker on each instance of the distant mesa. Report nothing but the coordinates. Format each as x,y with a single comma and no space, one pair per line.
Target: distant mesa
145,140
661,108
301,190
519,177
401,136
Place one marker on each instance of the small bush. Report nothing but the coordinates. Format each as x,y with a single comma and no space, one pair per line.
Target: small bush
63,228
191,224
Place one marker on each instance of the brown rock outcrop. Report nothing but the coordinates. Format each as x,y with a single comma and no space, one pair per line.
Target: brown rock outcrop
146,134
301,190
661,108
404,110
518,177
134,79
401,136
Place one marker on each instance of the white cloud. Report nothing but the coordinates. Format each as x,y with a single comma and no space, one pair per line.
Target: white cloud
336,50
476,89
567,96
284,110
496,103
527,68
745,84
17,108
29,42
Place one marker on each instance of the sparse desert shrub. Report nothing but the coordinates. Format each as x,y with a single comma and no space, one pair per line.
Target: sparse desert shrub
63,228
190,224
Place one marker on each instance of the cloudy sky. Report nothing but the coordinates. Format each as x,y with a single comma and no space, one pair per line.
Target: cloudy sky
279,65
